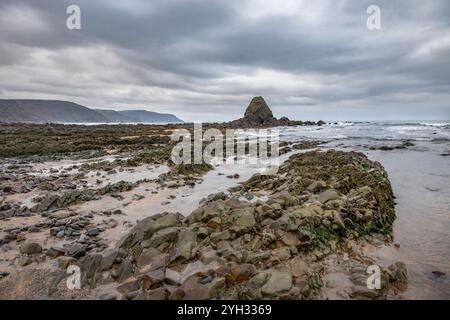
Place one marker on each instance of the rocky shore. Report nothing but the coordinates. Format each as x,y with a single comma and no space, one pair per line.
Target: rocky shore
109,200
297,235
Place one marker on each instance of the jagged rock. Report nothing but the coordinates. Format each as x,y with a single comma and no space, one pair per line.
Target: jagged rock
187,242
153,257
76,250
109,257
68,198
129,286
160,237
91,268
125,269
117,187
147,227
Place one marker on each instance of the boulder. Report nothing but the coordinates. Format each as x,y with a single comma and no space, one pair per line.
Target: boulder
244,222
30,248
160,237
76,250
147,227
280,280
187,242
55,252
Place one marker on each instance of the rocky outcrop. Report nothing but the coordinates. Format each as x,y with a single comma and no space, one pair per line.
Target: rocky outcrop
239,249
258,114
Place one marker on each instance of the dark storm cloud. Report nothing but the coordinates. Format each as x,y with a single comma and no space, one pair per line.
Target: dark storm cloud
205,59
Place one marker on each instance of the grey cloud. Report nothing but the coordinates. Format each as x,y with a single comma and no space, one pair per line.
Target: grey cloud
205,59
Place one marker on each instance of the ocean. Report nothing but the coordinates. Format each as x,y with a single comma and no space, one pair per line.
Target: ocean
420,177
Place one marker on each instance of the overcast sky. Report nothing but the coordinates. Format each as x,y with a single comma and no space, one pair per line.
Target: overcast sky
204,60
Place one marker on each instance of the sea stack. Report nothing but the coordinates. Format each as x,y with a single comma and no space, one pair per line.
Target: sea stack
258,114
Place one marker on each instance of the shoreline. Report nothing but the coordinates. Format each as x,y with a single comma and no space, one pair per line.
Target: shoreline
184,195
110,230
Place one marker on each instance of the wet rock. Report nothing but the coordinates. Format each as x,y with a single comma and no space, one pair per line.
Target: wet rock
107,296
65,261
129,286
76,251
147,227
172,277
438,274
108,258
30,248
55,252
157,294
117,187
125,270
245,221
153,257
398,275
93,232
362,292
91,268
192,289
216,288
53,201
24,261
153,277
161,236
187,242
